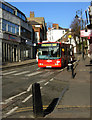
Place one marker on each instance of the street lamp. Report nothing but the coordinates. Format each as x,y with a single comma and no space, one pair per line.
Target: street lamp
77,12
69,36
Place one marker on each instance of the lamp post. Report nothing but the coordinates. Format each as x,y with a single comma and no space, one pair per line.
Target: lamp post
69,36
77,12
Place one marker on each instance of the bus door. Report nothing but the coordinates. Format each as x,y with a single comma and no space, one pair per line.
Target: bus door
63,55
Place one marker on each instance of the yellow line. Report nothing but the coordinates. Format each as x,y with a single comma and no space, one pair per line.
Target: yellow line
28,108
32,107
70,106
45,106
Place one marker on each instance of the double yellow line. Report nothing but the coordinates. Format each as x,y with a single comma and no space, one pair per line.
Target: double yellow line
45,106
28,109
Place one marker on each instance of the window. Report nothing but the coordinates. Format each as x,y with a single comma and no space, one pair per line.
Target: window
25,33
20,15
23,17
17,29
63,32
8,9
0,5
4,25
0,24
13,29
3,6
10,27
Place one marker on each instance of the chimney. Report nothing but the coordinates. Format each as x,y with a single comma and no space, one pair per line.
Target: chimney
31,14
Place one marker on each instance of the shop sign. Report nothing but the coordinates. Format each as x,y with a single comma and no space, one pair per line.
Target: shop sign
85,34
28,42
13,38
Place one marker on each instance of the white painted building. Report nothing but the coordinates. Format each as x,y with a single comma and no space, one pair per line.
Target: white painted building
73,43
54,34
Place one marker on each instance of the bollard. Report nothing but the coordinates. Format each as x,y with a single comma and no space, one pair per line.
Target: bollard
72,71
69,67
37,101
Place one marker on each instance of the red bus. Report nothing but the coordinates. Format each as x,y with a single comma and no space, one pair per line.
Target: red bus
54,54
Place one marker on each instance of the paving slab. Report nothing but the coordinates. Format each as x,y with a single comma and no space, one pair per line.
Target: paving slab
76,101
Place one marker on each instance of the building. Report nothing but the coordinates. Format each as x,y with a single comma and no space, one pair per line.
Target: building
16,35
55,33
39,26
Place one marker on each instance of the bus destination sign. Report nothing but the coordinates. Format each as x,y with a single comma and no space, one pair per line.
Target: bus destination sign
49,45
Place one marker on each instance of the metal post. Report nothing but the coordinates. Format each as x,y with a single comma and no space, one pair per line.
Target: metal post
82,38
82,50
37,101
72,71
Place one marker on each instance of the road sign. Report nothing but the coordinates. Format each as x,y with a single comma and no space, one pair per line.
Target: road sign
86,34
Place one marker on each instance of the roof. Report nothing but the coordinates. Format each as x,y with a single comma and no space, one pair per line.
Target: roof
34,23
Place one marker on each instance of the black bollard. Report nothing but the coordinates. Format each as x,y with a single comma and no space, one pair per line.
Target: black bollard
37,101
72,71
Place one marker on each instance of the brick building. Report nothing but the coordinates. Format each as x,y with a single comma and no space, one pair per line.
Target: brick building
39,26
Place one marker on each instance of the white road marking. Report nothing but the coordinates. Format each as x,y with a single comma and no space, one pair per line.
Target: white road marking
61,70
46,83
29,88
35,73
46,74
37,68
11,111
7,101
9,73
1,103
7,70
17,95
26,99
41,87
41,81
22,73
10,99
51,79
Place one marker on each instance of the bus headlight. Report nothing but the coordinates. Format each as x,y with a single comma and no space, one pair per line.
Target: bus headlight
58,62
40,63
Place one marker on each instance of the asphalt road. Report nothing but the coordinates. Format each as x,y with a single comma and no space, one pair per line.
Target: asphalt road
17,89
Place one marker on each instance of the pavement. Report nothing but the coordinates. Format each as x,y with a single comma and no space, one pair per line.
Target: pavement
76,101
15,64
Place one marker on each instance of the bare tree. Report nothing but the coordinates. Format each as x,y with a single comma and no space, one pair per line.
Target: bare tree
76,25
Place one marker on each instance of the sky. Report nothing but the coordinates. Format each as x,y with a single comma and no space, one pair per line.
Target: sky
61,13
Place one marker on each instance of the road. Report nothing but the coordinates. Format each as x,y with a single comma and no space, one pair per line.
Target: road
17,88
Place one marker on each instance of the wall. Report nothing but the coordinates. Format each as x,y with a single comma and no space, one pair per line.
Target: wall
55,34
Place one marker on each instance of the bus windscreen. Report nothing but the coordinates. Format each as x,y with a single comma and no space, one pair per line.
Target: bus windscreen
49,51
